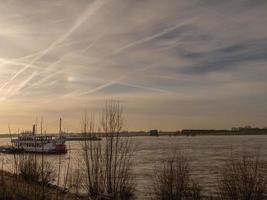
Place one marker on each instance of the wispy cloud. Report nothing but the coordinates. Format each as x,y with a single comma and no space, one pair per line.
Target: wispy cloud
152,37
172,59
90,10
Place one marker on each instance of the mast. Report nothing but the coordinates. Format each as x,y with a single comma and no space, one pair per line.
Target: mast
33,129
36,126
60,126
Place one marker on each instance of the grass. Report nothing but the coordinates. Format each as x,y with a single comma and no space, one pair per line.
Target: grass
13,187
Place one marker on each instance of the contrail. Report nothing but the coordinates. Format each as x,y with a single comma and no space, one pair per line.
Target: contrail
28,79
98,88
12,62
123,83
137,42
29,56
49,76
94,41
145,87
152,37
175,44
118,80
52,65
22,85
88,12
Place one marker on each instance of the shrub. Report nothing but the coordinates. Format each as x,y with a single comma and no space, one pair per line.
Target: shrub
173,181
243,177
33,170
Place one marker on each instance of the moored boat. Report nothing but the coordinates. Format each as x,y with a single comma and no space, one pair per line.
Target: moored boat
30,142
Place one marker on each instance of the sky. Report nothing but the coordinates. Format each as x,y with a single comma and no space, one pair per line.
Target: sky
173,64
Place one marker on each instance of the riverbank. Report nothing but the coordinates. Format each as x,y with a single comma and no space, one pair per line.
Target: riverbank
13,187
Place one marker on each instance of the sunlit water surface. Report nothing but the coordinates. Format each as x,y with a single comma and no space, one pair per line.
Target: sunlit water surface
206,155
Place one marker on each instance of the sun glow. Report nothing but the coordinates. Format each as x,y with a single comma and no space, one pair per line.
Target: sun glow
70,78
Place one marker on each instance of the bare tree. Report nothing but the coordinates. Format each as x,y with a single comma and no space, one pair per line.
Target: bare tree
93,160
75,179
243,177
172,180
108,163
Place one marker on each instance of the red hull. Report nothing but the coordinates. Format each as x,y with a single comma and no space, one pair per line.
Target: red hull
61,148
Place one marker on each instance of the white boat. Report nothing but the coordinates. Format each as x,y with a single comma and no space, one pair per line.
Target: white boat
31,143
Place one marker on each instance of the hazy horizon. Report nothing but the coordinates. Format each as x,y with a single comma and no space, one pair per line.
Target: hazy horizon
173,64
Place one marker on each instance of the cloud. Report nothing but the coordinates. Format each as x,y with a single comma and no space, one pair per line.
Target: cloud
161,58
166,33
229,57
90,10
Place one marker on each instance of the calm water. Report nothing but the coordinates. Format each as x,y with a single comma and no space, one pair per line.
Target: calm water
206,154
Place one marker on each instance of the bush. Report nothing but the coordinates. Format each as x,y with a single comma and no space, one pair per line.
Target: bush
173,181
243,178
30,169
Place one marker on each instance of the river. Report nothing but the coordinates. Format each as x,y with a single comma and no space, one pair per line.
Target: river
206,155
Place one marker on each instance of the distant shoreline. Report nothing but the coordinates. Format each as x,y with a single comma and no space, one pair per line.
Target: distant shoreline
177,133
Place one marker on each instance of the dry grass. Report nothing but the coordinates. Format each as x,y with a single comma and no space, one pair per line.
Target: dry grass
243,177
14,187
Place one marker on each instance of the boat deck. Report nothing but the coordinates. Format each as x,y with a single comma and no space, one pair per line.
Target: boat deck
12,150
